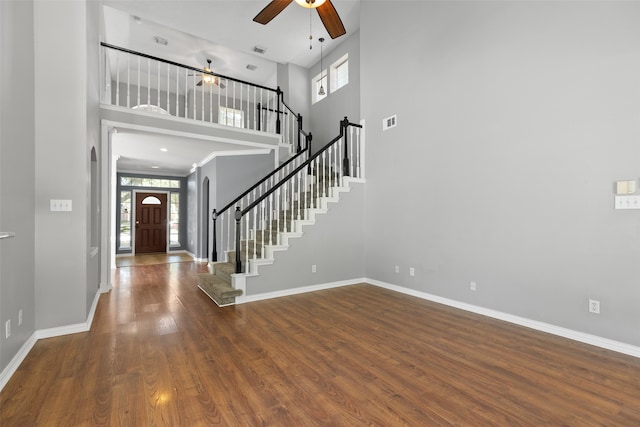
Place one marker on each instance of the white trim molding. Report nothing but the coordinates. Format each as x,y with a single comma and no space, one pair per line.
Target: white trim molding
582,337
301,290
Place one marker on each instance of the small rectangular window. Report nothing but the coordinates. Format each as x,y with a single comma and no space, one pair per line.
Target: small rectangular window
231,117
174,232
125,220
131,181
340,73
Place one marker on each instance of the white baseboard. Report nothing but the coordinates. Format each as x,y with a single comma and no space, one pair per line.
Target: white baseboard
594,340
15,362
302,290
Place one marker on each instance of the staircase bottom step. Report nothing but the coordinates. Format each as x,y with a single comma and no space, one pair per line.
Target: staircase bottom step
218,290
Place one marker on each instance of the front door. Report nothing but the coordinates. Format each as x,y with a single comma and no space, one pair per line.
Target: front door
151,223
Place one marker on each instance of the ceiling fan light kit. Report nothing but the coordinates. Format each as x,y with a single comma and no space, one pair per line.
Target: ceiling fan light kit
311,4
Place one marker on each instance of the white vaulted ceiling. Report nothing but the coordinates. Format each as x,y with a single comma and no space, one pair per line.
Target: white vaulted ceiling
220,30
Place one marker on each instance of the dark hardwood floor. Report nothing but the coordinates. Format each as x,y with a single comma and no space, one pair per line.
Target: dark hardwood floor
160,353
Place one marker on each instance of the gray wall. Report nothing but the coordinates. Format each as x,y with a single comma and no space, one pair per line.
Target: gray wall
192,212
335,244
235,174
293,81
63,138
93,193
326,114
514,121
229,176
17,172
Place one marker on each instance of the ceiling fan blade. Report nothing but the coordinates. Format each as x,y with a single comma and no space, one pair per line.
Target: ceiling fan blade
331,19
271,11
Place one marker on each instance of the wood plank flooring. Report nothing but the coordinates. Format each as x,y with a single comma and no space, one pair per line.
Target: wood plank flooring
151,259
160,353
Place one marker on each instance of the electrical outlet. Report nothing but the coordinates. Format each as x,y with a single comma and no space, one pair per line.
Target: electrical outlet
472,286
19,317
594,306
397,269
412,271
57,205
7,328
313,268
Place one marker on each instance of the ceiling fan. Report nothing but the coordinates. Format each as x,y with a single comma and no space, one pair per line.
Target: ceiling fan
208,78
326,11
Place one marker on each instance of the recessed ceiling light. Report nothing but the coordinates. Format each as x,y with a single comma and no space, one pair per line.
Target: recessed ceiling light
251,67
155,167
164,150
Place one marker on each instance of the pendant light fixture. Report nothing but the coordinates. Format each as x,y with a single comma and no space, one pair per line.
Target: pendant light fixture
321,92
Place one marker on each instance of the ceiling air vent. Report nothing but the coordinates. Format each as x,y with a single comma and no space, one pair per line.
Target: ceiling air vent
161,41
259,49
251,67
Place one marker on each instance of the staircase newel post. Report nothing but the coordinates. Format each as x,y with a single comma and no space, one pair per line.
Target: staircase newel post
279,96
299,132
259,112
344,125
238,216
214,252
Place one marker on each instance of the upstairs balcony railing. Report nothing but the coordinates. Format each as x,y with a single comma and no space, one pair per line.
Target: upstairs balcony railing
147,83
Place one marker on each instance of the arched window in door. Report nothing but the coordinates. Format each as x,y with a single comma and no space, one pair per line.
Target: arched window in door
151,200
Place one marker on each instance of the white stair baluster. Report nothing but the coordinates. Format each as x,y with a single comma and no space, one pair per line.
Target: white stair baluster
186,93
226,103
317,182
211,104
178,92
255,91
148,81
222,239
138,96
117,78
337,172
168,87
360,154
278,201
128,81
270,219
304,192
202,102
246,238
262,227
255,232
193,83
300,194
291,201
158,86
352,152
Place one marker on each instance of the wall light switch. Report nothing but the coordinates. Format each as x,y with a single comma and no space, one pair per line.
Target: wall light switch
626,187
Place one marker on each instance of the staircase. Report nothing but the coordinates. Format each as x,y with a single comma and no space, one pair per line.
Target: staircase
264,223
